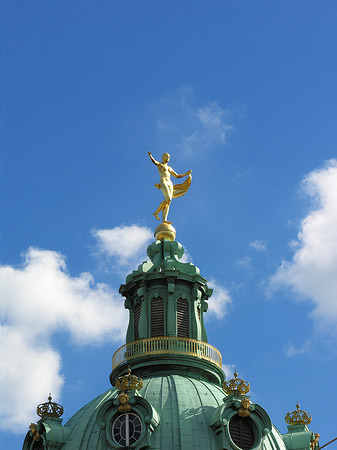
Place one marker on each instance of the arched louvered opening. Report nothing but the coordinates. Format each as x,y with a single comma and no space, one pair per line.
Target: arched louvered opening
136,322
199,312
157,317
241,430
183,322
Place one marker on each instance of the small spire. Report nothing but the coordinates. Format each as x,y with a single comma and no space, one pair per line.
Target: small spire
49,409
236,386
298,417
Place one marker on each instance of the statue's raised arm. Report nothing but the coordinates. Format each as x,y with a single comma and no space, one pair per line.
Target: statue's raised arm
152,159
165,185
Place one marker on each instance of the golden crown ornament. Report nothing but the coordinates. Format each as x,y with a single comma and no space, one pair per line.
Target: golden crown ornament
298,417
128,382
236,386
49,409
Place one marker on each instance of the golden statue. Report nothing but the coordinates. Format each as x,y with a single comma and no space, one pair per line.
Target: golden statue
168,189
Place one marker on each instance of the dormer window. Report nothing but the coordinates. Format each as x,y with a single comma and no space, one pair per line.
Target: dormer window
241,430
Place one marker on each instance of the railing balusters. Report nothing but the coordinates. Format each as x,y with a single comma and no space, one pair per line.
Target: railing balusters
164,345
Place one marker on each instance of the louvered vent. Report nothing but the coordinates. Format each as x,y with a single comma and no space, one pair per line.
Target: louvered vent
242,431
199,312
137,316
183,322
157,317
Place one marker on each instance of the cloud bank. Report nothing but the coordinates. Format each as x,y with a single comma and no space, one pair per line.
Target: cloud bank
37,300
311,273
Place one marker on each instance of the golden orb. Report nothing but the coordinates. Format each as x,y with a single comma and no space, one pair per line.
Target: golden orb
165,231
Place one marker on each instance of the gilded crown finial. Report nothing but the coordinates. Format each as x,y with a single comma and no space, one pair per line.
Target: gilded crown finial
49,409
128,382
298,417
236,386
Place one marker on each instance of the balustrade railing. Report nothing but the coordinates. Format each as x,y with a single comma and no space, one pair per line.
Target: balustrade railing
166,345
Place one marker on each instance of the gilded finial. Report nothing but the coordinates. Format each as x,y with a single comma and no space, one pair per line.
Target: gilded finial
298,417
128,382
236,386
49,409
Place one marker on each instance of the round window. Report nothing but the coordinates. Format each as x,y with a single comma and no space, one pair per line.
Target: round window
241,430
126,429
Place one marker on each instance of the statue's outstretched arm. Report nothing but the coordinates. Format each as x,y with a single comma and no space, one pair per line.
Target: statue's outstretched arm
152,159
176,175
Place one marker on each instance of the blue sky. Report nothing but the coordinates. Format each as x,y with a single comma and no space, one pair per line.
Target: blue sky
241,92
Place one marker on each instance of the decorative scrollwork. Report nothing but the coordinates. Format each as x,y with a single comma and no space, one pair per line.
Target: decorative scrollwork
49,409
244,410
236,386
298,417
35,433
314,441
128,382
124,406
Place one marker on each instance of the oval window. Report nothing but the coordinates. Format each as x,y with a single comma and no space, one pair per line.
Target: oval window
241,430
126,429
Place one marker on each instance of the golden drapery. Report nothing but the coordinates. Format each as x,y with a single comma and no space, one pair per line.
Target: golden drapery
179,189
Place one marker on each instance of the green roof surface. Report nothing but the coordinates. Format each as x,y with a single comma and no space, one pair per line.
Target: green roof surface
184,405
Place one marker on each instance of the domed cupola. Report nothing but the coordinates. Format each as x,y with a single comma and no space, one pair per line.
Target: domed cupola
167,300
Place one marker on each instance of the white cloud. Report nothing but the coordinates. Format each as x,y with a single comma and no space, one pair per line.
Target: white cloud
213,118
311,274
291,350
193,129
218,302
186,258
29,370
258,245
37,300
229,370
125,244
244,262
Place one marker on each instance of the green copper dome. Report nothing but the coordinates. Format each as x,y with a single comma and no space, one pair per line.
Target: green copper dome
184,407
168,380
